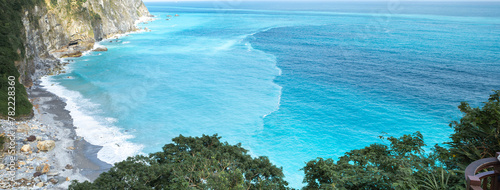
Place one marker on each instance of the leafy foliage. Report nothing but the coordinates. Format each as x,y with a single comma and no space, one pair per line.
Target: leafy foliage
477,134
401,165
11,50
438,180
191,163
80,2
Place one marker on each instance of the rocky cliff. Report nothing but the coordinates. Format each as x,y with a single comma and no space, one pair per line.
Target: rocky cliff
65,28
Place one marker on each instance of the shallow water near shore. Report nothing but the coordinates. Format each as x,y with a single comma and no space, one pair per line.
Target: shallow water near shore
286,85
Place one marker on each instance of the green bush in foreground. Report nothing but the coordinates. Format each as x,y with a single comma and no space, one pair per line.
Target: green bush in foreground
401,165
191,163
477,134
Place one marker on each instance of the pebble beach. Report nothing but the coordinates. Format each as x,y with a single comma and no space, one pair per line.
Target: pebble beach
48,153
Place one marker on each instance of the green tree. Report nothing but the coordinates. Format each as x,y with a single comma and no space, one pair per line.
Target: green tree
477,134
191,163
401,165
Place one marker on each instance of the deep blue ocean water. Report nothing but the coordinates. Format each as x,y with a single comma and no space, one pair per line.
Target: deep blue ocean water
292,81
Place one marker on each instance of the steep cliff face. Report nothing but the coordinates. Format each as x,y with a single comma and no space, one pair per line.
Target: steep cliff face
65,28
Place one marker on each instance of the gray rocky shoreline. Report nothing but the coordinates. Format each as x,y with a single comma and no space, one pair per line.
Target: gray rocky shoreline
38,164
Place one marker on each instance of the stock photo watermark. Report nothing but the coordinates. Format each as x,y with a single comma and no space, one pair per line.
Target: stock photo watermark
8,182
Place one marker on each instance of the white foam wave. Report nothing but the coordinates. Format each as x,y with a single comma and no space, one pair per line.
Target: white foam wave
250,48
262,30
111,120
98,45
277,105
228,44
115,146
125,42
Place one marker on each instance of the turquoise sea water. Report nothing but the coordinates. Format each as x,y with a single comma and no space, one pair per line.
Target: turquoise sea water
289,81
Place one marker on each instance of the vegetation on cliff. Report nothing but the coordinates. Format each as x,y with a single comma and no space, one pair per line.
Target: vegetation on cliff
12,51
401,163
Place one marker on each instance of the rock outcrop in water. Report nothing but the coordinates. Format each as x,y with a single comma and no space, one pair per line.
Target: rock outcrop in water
101,49
60,28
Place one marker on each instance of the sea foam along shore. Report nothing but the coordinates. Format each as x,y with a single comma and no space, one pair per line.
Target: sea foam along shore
37,166
96,131
70,157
